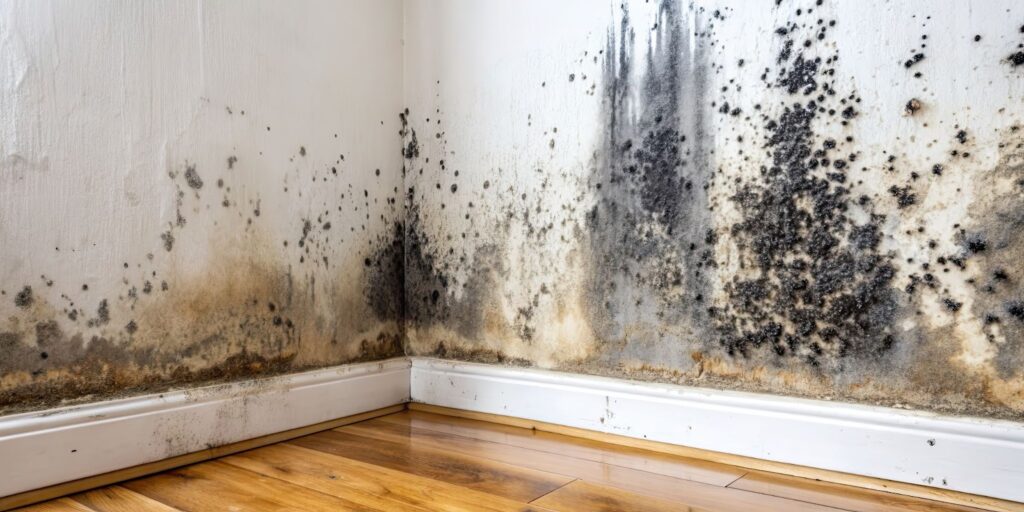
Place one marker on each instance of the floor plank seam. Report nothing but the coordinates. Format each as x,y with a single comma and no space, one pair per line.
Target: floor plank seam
729,485
341,428
553,490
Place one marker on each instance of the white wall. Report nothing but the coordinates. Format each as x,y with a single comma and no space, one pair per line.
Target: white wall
104,108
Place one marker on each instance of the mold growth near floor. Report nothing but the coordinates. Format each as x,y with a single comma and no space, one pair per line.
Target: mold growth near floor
261,305
753,210
174,215
786,197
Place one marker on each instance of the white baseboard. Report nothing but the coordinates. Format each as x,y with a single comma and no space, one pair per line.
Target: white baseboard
976,456
44,448
963,454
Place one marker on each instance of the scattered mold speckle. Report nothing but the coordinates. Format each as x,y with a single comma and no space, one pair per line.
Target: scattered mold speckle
192,177
24,298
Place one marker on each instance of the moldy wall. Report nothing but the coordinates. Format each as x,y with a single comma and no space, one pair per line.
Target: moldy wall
195,191
812,198
809,197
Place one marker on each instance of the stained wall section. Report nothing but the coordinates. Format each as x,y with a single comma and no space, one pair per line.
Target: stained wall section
195,191
809,198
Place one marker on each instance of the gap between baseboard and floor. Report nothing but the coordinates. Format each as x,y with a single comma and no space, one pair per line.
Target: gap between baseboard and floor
966,461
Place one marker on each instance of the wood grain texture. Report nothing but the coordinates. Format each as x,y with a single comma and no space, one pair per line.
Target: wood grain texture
839,496
596,498
216,486
682,492
93,482
58,505
506,480
929,493
366,483
417,461
624,456
119,499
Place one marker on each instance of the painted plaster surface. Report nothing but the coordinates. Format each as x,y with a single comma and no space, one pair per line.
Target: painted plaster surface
813,198
194,191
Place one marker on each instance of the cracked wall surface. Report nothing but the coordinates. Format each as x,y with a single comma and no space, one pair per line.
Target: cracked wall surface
192,192
811,198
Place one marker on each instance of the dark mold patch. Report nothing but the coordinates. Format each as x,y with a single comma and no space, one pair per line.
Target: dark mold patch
479,355
411,149
648,231
816,288
168,240
24,298
431,285
385,276
991,249
192,177
215,328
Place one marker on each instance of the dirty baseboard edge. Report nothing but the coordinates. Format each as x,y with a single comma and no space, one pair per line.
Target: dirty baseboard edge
959,460
59,447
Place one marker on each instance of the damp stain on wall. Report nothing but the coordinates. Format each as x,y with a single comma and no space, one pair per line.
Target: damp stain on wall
736,219
175,215
260,306
714,196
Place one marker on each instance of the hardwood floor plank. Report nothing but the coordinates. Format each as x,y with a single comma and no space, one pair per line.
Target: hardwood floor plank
121,475
635,458
418,461
839,496
58,505
515,483
654,485
366,483
581,495
859,481
118,499
216,486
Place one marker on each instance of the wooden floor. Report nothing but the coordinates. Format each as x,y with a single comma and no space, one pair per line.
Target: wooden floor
420,461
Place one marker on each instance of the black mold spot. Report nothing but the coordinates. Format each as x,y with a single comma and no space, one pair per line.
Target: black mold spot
912,106
102,315
192,177
1016,58
1016,309
24,298
168,239
918,57
905,196
411,149
975,244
